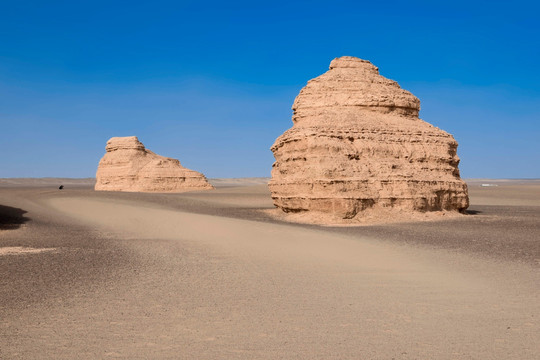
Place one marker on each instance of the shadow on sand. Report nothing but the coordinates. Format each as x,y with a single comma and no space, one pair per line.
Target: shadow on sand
11,218
472,212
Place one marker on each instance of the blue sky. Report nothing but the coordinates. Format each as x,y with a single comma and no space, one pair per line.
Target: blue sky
212,83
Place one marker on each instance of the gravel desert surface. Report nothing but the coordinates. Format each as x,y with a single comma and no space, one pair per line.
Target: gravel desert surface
210,275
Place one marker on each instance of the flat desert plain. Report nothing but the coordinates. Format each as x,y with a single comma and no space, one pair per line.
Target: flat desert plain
210,275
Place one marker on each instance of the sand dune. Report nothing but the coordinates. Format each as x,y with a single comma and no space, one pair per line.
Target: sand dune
202,275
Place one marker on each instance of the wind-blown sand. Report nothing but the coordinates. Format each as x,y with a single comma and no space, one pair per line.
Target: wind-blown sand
207,275
17,250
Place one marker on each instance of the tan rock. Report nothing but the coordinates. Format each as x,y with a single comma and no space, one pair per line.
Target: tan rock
129,166
357,143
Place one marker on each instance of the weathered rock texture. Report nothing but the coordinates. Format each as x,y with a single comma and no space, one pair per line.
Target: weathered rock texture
357,143
129,166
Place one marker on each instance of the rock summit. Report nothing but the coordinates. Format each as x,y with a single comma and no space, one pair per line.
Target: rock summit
357,143
129,166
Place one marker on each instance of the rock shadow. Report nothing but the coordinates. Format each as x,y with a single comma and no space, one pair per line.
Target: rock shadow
12,218
472,212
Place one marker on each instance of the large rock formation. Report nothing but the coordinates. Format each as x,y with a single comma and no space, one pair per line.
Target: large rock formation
357,143
129,166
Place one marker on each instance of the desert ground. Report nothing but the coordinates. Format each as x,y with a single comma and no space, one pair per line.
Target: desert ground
211,275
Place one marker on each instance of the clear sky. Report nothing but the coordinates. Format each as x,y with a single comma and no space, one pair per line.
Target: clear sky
212,82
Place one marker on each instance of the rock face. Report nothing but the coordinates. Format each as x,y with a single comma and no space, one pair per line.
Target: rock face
129,166
357,143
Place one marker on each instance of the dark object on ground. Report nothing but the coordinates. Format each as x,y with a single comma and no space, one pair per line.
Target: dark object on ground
11,217
61,187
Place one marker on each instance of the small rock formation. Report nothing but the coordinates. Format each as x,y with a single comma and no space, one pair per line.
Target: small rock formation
357,143
129,166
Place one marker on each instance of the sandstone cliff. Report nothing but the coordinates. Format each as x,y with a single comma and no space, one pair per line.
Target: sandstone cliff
129,166
357,143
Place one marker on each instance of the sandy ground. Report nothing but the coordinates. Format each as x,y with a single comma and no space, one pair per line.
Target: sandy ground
208,275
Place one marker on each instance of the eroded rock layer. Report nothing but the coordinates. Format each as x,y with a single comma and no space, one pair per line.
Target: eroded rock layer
357,143
129,166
